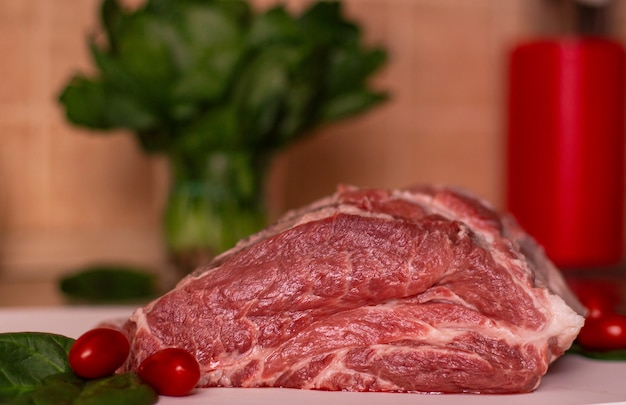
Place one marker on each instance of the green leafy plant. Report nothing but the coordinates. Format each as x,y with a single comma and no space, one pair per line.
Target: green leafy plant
218,88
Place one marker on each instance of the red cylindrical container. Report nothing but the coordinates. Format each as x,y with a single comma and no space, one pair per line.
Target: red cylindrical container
565,152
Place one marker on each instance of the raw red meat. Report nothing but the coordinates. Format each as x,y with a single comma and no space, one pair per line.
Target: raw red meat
425,289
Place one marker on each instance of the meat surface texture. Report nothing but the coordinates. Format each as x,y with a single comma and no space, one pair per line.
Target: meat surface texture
424,289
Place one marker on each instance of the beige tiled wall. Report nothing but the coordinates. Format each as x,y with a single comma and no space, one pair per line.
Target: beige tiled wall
69,197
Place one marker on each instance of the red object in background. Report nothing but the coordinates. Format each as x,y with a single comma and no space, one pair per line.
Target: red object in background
565,154
600,297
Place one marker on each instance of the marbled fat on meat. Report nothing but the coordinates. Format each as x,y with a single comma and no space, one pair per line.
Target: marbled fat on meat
423,290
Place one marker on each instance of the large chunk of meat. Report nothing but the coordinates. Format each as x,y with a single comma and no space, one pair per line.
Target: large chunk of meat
425,289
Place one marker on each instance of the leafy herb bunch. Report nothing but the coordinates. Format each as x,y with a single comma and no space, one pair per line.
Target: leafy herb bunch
218,87
188,76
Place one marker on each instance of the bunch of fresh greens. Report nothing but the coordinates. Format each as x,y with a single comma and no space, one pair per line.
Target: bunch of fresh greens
188,76
218,88
35,370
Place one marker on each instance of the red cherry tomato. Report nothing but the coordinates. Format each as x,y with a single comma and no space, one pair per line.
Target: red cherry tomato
597,306
98,353
599,297
607,332
172,371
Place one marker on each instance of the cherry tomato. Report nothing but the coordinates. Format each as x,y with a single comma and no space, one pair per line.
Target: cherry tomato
98,353
172,371
597,306
599,297
607,332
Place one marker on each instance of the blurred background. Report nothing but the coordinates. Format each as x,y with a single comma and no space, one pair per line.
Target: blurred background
67,198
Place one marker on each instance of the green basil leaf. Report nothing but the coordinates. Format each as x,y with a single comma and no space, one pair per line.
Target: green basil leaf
85,103
28,358
119,389
62,388
106,283
97,105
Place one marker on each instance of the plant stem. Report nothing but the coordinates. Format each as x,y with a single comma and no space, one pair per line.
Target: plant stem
214,201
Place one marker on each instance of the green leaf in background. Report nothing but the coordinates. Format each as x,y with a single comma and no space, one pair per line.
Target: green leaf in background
108,283
88,101
27,358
